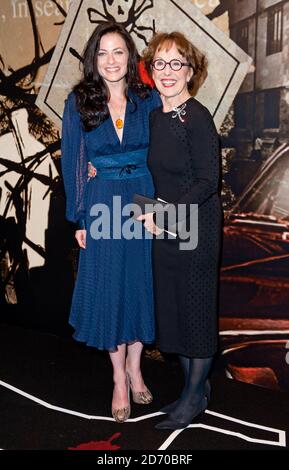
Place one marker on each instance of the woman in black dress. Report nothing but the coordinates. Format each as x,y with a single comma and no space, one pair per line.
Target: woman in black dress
184,160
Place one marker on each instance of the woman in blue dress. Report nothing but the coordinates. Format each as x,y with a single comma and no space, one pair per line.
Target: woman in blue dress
105,140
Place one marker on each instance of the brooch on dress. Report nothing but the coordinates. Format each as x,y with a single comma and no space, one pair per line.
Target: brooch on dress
91,171
180,111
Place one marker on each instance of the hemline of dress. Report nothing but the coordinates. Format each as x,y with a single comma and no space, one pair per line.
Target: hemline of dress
114,348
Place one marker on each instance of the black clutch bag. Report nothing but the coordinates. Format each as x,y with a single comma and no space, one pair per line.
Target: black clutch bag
158,207
147,204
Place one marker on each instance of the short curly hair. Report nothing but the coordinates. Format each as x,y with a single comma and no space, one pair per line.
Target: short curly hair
193,55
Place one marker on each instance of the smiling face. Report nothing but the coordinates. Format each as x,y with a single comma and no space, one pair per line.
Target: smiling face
172,84
112,58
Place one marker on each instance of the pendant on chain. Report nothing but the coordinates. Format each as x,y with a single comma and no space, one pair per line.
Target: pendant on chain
119,123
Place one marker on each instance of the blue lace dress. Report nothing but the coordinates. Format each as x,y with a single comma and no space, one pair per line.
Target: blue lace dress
112,301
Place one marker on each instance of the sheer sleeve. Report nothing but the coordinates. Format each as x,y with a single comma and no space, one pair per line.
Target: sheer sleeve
73,163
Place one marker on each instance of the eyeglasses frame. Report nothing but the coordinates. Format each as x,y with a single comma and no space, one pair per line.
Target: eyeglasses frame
169,63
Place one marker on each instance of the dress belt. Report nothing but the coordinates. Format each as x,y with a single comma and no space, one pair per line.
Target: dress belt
122,165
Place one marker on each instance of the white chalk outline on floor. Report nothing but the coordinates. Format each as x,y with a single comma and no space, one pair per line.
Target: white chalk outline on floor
281,434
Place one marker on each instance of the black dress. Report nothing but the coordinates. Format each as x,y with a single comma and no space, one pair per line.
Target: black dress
184,160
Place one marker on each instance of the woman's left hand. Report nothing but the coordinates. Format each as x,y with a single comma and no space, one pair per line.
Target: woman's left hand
149,223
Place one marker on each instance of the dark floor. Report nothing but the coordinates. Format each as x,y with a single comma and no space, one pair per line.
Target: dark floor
55,395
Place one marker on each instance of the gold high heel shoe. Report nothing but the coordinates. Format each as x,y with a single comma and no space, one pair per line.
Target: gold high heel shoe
122,414
141,398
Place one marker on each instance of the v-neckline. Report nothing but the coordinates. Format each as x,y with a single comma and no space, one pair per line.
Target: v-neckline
124,124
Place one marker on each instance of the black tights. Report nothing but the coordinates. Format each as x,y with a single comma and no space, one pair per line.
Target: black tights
196,371
194,397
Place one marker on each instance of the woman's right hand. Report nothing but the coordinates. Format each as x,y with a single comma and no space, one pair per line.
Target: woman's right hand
80,236
149,224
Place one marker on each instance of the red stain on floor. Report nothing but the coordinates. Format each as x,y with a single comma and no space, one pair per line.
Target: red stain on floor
99,445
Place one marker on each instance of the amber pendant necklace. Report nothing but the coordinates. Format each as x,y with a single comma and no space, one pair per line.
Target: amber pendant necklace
119,123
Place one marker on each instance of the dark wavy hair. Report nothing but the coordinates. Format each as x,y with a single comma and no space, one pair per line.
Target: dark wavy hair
193,55
92,94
